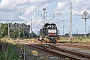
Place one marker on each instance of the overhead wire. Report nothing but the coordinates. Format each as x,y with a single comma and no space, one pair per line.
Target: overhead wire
40,5
37,7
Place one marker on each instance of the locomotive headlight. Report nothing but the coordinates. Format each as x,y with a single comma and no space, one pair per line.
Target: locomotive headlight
51,30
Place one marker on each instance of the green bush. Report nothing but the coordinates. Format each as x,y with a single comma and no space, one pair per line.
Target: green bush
10,54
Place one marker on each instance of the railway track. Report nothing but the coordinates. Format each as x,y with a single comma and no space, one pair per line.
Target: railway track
72,54
82,46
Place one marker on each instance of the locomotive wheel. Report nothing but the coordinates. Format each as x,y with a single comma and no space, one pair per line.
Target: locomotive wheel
55,42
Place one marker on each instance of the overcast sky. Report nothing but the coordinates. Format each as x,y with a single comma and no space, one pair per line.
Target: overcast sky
56,12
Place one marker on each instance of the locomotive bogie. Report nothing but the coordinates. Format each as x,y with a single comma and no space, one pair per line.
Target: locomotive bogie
49,39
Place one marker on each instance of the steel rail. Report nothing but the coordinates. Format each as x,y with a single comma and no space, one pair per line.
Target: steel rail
62,52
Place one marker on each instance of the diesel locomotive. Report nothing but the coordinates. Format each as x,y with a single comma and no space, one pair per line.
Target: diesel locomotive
49,33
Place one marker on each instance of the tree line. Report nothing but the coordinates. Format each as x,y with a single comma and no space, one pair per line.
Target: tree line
16,30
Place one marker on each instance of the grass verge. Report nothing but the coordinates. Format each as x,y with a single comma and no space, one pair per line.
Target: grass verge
8,52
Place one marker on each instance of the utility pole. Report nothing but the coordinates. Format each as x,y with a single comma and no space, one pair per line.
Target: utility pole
23,30
0,31
71,21
77,31
44,15
89,31
31,29
19,23
8,31
19,30
63,30
85,17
